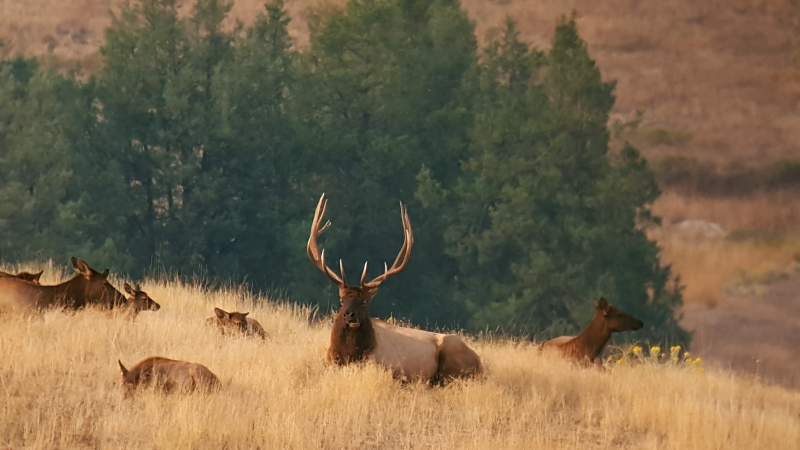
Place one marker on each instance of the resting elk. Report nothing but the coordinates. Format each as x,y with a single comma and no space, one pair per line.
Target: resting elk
30,277
87,287
236,323
138,300
168,375
409,353
586,346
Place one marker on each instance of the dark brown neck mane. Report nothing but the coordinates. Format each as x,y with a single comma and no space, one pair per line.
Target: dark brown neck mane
350,345
592,339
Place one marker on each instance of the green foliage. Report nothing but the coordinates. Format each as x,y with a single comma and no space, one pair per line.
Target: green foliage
200,148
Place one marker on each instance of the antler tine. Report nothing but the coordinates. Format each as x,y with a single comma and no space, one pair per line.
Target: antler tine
403,256
364,273
318,258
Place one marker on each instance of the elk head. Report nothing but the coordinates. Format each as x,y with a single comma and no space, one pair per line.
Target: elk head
352,323
235,320
616,320
93,286
30,277
138,299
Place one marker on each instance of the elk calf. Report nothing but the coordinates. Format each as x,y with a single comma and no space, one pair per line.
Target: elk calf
409,353
590,343
236,323
168,375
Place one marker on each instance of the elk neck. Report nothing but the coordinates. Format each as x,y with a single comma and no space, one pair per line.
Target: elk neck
594,337
351,345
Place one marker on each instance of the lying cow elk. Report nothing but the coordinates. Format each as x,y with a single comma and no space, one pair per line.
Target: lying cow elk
409,353
168,376
87,287
138,300
30,277
233,323
586,346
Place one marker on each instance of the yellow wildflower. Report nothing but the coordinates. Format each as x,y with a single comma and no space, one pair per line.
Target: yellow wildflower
674,353
655,351
637,351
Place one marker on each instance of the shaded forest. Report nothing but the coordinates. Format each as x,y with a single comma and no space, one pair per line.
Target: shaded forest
200,149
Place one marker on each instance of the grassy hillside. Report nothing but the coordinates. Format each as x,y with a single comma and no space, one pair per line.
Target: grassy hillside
60,390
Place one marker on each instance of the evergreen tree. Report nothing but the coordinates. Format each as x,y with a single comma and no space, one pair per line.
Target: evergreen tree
545,216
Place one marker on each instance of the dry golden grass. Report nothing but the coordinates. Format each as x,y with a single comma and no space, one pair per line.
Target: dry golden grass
60,390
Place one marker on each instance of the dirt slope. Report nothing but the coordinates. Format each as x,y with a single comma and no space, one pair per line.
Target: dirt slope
755,334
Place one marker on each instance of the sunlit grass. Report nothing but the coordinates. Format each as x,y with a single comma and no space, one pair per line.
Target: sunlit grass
60,390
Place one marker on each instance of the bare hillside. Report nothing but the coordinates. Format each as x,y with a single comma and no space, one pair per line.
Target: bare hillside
717,80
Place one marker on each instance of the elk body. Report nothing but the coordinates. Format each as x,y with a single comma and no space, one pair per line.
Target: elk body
168,375
410,354
236,323
87,287
30,277
586,346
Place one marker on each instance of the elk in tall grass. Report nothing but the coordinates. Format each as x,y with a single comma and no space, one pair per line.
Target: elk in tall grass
588,345
87,287
168,375
232,323
410,354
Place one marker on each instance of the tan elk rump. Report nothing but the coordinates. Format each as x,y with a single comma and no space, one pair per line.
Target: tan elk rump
87,287
168,376
410,354
590,343
236,323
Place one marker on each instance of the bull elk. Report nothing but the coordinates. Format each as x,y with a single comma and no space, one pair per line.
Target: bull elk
87,287
586,346
168,375
236,323
409,353
30,277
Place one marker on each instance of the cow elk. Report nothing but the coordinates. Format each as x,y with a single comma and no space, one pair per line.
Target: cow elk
588,345
30,277
409,353
236,323
168,376
138,300
87,287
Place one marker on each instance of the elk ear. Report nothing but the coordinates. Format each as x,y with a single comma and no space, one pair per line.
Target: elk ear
245,314
128,288
122,368
602,304
37,275
220,313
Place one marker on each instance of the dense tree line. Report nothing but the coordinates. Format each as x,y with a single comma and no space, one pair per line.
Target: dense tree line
200,148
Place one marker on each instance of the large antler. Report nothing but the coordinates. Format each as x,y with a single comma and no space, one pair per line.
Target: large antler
318,258
402,257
